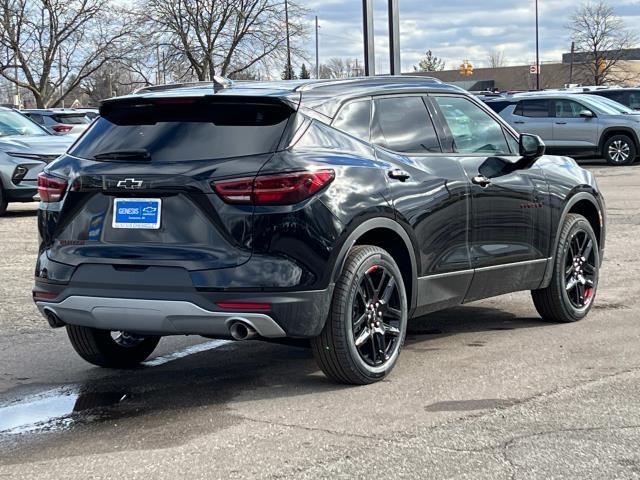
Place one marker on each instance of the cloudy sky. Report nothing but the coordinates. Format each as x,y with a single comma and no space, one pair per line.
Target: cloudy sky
454,29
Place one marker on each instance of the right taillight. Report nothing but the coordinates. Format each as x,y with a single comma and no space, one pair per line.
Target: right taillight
50,188
62,128
279,189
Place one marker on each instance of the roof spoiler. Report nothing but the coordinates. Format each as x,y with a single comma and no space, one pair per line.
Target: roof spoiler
218,83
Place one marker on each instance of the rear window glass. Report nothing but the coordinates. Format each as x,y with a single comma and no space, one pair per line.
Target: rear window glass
78,119
171,131
498,106
533,108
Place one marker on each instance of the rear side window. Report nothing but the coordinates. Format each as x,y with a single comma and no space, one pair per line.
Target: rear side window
403,124
174,130
36,117
79,119
355,119
615,96
533,108
634,100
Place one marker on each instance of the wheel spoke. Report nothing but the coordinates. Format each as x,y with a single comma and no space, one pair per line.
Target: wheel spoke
382,344
372,288
383,277
358,323
363,295
388,291
588,249
394,312
571,284
363,337
391,330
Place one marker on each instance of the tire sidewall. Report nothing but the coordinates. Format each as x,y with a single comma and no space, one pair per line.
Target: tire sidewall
577,224
387,262
632,150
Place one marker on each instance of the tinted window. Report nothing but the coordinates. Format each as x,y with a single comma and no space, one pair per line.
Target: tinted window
568,109
355,119
36,117
73,119
403,124
616,96
533,108
498,106
195,130
473,129
634,100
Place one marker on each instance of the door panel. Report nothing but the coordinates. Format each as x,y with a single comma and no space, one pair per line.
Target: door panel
431,200
509,206
572,130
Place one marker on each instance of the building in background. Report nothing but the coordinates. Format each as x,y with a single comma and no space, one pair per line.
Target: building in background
552,75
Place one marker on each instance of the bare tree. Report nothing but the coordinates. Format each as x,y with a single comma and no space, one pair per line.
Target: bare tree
49,47
224,37
601,37
430,63
496,59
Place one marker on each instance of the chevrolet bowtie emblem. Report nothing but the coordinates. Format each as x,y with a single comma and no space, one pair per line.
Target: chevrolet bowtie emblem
130,183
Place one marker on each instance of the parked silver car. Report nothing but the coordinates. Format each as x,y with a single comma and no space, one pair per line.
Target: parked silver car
25,149
574,124
59,121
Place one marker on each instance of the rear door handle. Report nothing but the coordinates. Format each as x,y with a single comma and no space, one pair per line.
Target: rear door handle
481,180
399,175
519,123
561,123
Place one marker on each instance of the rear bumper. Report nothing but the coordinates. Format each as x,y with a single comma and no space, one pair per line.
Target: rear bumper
299,314
158,317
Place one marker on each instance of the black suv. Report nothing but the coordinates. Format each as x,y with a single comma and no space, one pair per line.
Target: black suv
333,211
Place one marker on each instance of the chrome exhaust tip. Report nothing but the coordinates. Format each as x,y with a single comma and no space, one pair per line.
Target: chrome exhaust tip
242,331
53,319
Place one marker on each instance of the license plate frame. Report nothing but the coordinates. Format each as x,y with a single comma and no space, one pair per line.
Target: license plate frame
137,213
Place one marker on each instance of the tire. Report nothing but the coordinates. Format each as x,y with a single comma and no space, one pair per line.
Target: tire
100,348
3,202
372,355
620,150
558,302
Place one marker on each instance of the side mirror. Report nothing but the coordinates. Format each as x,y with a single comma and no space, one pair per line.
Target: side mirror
531,146
587,114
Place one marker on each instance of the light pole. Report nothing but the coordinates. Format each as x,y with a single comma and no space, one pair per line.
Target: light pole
537,50
286,20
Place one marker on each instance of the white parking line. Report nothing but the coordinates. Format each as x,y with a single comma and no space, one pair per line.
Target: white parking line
201,347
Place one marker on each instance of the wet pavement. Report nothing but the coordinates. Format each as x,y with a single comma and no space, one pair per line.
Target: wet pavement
486,390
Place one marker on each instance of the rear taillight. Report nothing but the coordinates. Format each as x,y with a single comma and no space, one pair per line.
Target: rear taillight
50,188
62,128
282,189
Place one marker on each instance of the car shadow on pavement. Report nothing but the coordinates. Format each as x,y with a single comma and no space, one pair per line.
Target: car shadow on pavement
242,371
19,214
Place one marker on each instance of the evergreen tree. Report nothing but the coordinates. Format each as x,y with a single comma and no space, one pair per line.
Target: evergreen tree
430,63
304,73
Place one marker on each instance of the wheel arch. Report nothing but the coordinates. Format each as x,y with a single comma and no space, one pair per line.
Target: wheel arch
609,132
388,234
585,204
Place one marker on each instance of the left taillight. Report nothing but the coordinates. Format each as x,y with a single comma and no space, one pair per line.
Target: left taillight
279,189
50,188
62,128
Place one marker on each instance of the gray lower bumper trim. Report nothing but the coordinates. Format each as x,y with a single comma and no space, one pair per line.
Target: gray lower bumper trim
160,317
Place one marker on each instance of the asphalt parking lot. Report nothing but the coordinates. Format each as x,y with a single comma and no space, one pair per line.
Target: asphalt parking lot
482,391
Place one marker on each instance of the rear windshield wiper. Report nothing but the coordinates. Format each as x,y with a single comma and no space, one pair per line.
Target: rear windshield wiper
139,154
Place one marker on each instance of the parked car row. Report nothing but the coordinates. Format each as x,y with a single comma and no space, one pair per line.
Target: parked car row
25,149
574,123
62,120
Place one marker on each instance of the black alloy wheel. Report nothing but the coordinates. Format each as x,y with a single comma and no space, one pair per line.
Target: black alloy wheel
362,338
574,281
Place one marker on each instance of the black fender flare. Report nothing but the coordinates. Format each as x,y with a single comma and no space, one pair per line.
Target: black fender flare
621,130
367,226
578,197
